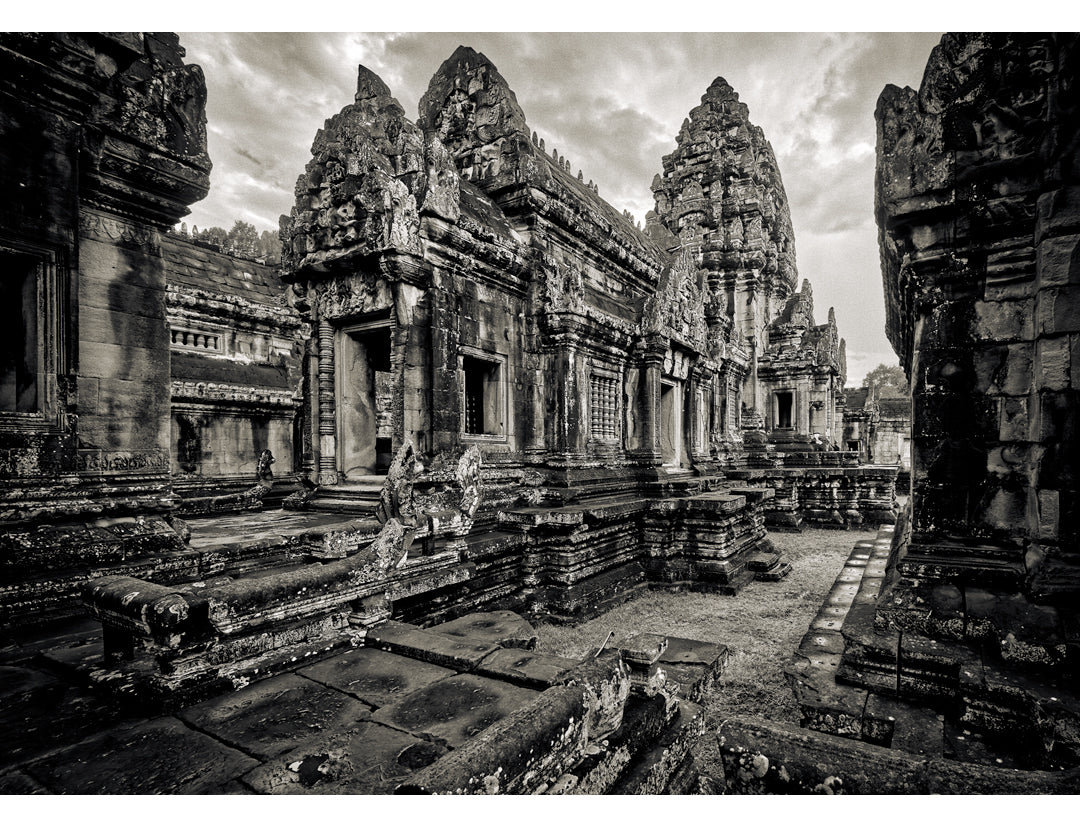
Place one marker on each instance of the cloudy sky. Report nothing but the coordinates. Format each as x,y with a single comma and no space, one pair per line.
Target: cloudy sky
612,104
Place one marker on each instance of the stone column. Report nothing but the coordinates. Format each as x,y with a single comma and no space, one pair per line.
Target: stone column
650,408
328,475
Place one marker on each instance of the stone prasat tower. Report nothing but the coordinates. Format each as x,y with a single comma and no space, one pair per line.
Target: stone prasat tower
564,339
721,196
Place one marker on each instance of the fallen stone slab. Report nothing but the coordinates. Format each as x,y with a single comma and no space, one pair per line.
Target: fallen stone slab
502,627
369,759
437,648
162,756
525,667
453,710
272,716
376,677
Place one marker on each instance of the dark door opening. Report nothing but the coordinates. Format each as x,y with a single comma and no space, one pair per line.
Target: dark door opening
483,409
784,405
364,401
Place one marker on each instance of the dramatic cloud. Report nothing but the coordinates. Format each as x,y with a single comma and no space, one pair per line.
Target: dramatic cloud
612,104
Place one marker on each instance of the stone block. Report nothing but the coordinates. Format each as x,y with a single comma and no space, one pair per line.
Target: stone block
525,667
274,715
1059,310
524,752
1053,359
1049,514
501,627
1004,321
159,756
1058,213
453,710
1059,261
370,759
376,677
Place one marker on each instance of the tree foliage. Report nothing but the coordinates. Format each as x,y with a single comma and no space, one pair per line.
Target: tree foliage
886,375
243,241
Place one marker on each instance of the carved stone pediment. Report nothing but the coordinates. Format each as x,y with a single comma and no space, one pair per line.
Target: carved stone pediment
677,309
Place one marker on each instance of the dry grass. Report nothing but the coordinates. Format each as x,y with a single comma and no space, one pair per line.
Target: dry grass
762,625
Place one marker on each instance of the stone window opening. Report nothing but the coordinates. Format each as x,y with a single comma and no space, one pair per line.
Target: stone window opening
484,402
20,332
603,407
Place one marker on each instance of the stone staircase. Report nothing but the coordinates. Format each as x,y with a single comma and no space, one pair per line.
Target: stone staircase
359,496
929,697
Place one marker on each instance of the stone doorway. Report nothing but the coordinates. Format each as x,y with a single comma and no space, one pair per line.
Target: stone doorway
364,392
671,423
785,405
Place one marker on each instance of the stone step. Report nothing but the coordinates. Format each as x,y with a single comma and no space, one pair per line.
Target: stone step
349,506
775,573
762,561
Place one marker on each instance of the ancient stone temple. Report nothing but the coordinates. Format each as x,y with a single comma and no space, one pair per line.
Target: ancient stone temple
488,391
877,424
104,146
969,610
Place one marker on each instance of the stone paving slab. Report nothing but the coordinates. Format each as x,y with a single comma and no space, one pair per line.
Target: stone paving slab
916,730
689,651
38,712
272,716
162,756
437,648
502,627
370,759
18,783
254,527
525,667
376,677
455,709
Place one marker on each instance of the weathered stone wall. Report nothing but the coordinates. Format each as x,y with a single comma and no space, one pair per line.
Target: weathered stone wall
977,186
236,370
104,145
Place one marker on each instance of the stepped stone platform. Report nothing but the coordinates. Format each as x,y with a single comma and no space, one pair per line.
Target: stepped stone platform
928,699
463,707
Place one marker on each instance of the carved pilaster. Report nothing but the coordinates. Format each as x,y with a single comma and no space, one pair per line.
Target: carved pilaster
327,407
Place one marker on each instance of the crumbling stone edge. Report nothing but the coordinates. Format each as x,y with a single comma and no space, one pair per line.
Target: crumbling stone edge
761,757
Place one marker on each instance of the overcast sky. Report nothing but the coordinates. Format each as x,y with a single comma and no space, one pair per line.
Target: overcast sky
612,104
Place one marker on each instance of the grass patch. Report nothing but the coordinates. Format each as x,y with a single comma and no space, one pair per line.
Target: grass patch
762,626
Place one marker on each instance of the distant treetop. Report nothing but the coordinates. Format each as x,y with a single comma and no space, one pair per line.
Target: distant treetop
242,241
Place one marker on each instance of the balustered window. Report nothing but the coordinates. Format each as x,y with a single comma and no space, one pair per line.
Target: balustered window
603,407
190,339
484,399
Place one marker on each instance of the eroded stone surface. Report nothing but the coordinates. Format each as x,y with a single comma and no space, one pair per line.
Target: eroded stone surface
376,677
160,756
369,759
455,709
524,666
271,716
502,627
